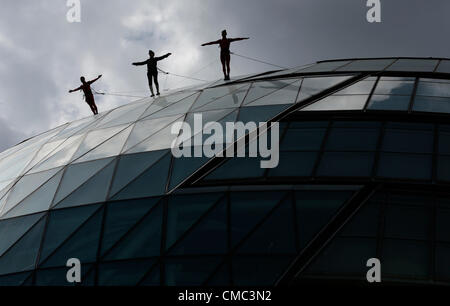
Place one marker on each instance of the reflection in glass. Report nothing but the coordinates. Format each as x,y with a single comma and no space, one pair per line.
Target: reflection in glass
414,65
433,89
312,86
388,102
360,88
431,104
391,86
355,102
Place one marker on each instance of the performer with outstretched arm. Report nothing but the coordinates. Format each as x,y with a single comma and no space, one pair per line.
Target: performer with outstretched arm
88,96
152,70
224,44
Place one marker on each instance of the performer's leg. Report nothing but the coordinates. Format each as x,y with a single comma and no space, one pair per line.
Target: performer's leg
155,79
149,76
228,66
95,109
222,59
92,108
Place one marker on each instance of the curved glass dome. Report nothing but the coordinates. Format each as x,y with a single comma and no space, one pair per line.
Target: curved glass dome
364,171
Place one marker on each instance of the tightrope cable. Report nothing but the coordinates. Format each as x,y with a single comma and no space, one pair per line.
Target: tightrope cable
114,94
257,60
181,76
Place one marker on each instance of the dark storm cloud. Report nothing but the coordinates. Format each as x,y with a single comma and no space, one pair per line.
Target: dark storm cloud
42,55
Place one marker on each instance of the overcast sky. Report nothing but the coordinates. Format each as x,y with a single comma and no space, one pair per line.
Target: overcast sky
43,55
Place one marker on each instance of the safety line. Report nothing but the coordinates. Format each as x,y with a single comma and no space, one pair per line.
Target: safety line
112,94
257,60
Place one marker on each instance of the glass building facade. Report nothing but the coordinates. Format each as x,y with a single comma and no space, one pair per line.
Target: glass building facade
363,173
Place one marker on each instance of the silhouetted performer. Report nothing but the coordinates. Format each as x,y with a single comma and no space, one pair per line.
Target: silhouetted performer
152,70
88,96
224,44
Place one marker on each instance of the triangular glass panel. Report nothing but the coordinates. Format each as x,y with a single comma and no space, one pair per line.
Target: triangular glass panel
121,217
248,209
211,94
232,100
4,193
123,273
123,115
215,139
261,89
207,116
220,116
89,279
22,255
207,237
95,138
314,210
184,167
251,270
12,229
190,271
160,140
29,281
83,244
151,183
180,216
162,102
145,128
61,224
231,117
62,156
26,185
276,235
75,127
39,200
131,166
14,279
244,167
4,187
77,174
222,277
153,278
286,95
178,108
3,200
12,166
128,117
260,113
144,240
43,152
314,85
92,191
111,147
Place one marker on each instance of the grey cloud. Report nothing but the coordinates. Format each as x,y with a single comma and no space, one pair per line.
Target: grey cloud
43,56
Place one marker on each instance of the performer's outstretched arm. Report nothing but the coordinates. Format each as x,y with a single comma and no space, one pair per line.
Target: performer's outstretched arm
163,57
76,89
211,43
140,63
238,38
92,81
